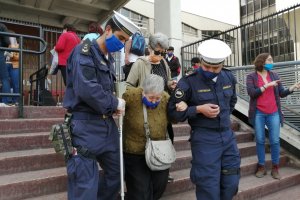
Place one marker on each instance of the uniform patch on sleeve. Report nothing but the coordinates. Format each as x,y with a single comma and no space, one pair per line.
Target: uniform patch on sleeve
179,93
86,45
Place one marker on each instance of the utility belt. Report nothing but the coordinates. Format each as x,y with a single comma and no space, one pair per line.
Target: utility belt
88,116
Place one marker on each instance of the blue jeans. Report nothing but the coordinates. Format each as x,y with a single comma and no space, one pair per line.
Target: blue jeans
4,77
272,121
14,78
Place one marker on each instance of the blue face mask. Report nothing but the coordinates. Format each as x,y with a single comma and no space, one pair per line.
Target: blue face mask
113,44
149,104
208,74
170,54
268,66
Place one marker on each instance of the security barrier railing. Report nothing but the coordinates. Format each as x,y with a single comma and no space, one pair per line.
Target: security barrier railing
21,50
277,33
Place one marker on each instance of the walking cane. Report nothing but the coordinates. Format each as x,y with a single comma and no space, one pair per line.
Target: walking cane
120,89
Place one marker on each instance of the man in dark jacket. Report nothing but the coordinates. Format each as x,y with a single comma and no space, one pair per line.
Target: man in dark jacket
4,42
206,98
173,62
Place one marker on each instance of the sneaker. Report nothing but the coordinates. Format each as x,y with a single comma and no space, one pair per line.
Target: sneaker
275,172
170,179
261,171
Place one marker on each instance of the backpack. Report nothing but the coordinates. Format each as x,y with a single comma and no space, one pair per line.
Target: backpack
138,44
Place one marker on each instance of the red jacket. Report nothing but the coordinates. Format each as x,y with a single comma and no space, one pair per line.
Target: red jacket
65,44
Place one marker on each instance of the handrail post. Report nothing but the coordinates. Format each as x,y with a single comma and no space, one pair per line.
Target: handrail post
21,106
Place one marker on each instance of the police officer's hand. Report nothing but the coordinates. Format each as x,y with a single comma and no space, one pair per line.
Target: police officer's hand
181,106
209,110
121,107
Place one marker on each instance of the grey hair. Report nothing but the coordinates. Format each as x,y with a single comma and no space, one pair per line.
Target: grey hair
153,84
158,39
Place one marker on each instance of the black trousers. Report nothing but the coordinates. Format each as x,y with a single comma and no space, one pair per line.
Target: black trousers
63,70
141,182
170,131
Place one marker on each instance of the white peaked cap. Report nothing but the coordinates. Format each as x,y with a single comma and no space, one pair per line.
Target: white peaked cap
125,24
214,51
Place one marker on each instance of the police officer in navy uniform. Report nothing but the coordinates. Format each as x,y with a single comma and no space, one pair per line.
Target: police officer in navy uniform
206,98
90,98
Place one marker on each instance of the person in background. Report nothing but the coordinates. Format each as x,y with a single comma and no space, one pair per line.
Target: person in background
95,31
152,64
141,182
195,64
173,62
4,76
90,98
265,90
12,64
130,58
64,46
206,98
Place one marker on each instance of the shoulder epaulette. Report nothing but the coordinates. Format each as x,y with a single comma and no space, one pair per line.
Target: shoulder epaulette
85,47
192,74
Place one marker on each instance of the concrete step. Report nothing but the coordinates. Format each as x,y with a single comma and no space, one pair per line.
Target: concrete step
181,129
251,187
33,112
181,170
291,193
184,129
244,136
188,195
29,160
23,141
182,143
33,184
8,126
247,148
55,196
181,182
183,160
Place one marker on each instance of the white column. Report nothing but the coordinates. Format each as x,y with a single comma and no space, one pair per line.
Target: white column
167,20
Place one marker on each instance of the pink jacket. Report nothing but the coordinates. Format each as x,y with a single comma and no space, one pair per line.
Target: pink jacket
65,44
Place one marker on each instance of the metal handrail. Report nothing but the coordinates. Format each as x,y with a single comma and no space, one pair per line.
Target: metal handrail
21,50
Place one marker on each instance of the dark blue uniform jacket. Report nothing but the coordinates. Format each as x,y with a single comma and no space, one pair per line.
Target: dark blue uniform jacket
196,89
90,81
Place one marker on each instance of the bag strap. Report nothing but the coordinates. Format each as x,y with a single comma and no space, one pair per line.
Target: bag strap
146,125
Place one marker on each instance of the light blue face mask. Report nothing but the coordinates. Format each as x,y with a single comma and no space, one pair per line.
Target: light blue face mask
268,66
113,44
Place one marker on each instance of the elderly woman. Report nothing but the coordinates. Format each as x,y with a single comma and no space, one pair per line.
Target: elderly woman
265,90
152,64
141,182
